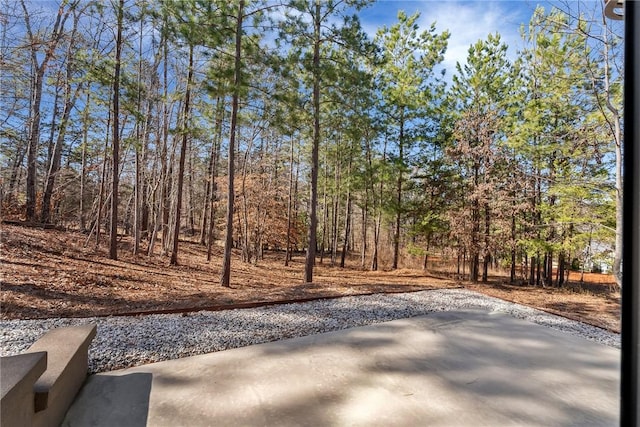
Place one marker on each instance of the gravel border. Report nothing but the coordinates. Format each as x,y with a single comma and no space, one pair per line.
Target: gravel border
123,342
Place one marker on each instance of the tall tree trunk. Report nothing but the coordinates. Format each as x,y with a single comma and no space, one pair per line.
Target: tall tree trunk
138,174
325,209
15,171
549,269
617,256
113,233
335,209
532,272
347,226
512,274
487,253
228,242
425,260
55,110
296,184
378,222
54,167
396,236
208,186
615,122
160,186
561,268
103,180
289,207
167,227
352,235
347,230
182,161
246,250
162,141
70,98
32,147
36,97
464,263
474,267
214,175
83,171
144,203
137,201
190,191
207,199
376,242
313,202
363,248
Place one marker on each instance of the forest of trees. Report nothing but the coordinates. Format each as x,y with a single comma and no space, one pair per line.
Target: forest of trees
281,125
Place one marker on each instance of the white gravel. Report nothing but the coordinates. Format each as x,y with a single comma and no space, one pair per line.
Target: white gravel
123,342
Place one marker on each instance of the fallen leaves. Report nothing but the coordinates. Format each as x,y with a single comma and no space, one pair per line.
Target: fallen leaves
49,273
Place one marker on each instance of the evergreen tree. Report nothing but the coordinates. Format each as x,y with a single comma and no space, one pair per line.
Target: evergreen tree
553,135
306,45
408,86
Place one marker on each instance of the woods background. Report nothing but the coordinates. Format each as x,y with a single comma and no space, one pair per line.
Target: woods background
265,125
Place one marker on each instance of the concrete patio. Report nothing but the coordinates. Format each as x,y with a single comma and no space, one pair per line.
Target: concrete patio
463,368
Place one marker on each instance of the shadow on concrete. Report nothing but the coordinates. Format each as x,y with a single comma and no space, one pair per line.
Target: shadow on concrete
455,368
123,401
461,369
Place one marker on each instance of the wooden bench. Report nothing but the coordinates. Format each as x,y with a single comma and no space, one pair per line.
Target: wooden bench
66,350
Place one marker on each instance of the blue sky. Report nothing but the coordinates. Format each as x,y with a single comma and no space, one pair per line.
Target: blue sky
468,21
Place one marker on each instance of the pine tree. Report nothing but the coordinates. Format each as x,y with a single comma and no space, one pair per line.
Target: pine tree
306,47
408,85
553,136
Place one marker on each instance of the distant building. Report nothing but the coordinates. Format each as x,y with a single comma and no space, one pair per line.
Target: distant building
598,257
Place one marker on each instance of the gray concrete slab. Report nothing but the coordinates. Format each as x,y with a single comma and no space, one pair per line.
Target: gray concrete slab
465,368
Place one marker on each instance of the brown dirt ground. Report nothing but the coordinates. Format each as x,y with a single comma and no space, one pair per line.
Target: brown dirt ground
50,273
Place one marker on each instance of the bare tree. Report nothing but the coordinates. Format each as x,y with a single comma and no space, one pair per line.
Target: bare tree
113,233
183,155
39,64
70,97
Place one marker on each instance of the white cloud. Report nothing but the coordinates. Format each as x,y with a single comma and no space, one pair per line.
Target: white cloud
467,21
